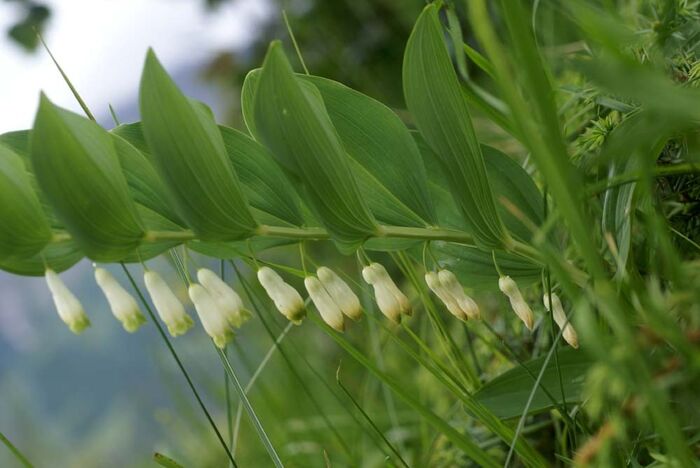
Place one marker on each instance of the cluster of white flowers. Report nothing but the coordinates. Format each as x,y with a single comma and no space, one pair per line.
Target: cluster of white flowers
390,300
333,298
568,333
218,306
448,289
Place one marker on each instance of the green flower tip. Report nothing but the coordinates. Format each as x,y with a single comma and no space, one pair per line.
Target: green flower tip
78,325
181,326
134,322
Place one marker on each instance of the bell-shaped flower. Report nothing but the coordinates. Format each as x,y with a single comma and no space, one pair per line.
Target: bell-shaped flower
287,300
510,288
329,310
213,320
169,308
69,308
123,304
433,281
387,302
452,285
229,301
568,333
381,277
341,293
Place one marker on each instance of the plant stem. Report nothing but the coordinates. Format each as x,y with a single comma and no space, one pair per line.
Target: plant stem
15,451
179,364
658,171
249,409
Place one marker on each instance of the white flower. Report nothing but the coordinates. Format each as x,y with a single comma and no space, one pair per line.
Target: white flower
454,288
433,282
329,310
569,334
213,321
70,310
517,302
230,303
287,300
123,304
169,308
387,301
341,293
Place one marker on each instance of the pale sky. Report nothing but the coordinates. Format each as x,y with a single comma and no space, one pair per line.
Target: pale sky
101,44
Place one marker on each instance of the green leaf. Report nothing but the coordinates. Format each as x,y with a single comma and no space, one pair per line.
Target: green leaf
24,230
511,186
507,394
190,156
375,137
59,256
265,184
381,159
435,99
76,166
291,120
145,185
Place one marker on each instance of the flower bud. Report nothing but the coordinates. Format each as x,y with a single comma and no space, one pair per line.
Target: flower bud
286,298
569,334
69,308
454,288
169,308
329,310
229,302
433,282
341,293
123,304
517,302
213,321
386,300
381,277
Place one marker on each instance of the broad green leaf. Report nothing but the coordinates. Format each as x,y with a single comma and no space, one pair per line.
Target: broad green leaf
190,157
59,256
375,137
382,161
291,120
145,185
266,186
18,141
24,230
511,186
507,394
434,97
77,167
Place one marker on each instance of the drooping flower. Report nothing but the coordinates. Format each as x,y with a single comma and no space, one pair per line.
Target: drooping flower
169,308
213,320
433,282
229,301
341,293
569,334
123,304
451,284
329,310
510,288
69,308
287,300
387,301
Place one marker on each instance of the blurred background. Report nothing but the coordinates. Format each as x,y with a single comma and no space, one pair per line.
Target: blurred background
108,398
